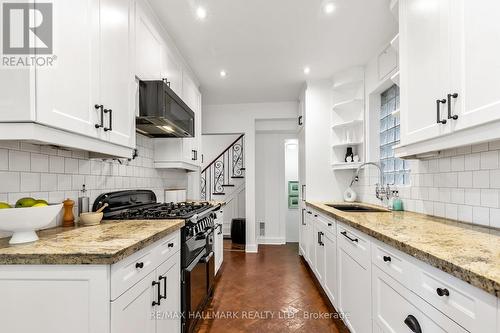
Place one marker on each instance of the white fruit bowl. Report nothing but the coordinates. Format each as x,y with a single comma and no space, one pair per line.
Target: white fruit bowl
23,222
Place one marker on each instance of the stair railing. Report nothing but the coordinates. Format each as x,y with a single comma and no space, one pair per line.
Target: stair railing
220,173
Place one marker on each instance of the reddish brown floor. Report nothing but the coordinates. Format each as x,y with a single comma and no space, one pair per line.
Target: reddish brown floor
275,288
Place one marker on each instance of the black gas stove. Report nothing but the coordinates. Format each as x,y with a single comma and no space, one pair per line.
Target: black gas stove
197,238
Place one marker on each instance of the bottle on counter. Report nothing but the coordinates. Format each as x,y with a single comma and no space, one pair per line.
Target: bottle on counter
397,203
83,201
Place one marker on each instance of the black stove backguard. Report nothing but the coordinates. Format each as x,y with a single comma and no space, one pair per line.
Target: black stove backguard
120,200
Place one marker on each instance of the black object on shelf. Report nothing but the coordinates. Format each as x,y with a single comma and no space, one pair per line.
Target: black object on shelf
238,231
349,155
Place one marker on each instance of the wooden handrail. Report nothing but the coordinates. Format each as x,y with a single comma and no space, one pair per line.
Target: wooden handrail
229,147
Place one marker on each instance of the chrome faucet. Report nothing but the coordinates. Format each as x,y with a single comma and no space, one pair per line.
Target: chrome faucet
380,191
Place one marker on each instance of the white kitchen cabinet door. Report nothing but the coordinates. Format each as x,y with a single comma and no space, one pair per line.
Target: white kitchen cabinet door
219,240
424,68
310,240
475,62
302,233
131,312
192,97
397,309
117,79
149,47
330,258
354,287
319,252
169,276
172,71
66,94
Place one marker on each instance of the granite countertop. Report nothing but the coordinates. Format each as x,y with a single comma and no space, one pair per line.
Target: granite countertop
470,253
103,244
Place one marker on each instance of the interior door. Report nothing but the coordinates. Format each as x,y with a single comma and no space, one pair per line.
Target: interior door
424,67
66,93
131,312
117,79
475,62
169,277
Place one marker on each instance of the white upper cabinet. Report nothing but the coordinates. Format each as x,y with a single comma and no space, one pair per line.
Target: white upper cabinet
475,62
172,71
149,49
117,79
66,94
424,67
448,54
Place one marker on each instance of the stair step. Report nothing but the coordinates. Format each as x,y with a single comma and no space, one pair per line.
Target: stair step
228,185
218,193
237,177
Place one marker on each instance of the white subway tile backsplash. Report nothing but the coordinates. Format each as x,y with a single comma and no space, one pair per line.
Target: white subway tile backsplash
472,197
489,160
451,211
458,163
465,179
39,162
70,165
19,160
48,182
481,179
4,159
480,147
465,213
481,215
84,167
489,198
444,164
457,196
9,181
64,182
30,182
56,164
495,217
472,162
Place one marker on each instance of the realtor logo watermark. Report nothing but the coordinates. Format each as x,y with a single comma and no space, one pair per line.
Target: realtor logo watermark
27,38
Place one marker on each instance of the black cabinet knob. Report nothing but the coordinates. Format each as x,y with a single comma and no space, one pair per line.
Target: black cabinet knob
329,224
139,265
387,258
170,244
443,292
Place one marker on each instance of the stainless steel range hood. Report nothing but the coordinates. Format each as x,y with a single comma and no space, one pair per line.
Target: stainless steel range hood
163,114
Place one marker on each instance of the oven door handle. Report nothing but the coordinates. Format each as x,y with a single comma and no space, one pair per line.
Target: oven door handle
200,236
207,258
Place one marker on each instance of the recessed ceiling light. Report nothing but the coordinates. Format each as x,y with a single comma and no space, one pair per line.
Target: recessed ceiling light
201,13
223,73
307,70
329,8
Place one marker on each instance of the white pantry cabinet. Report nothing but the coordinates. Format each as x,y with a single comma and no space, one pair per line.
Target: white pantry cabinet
92,43
449,63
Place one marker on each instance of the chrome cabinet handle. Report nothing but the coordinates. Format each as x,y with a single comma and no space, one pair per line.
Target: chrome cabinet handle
438,111
450,116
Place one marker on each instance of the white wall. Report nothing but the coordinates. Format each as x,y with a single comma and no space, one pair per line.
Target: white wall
52,174
214,144
292,216
241,118
271,206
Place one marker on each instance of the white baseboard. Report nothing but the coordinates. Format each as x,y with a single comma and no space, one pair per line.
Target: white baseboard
271,240
252,248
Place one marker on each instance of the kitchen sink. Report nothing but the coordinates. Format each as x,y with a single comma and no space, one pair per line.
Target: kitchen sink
357,208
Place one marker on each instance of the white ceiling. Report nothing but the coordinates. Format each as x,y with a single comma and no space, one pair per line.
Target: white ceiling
265,44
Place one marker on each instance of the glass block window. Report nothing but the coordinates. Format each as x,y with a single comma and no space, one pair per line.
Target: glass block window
396,171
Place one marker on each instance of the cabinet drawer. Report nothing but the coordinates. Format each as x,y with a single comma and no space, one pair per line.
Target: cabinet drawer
167,247
392,262
471,307
396,309
329,224
355,243
127,272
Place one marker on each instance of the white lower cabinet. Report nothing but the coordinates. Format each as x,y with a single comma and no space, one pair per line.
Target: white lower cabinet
330,273
302,233
397,309
219,240
141,293
319,252
354,269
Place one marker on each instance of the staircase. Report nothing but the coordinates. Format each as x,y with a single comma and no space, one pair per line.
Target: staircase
220,177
